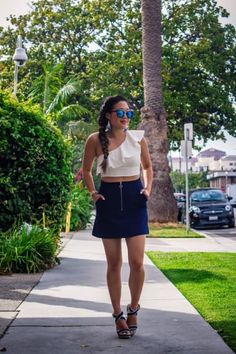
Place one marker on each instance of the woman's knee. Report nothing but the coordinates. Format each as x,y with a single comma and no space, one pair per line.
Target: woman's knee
114,265
136,265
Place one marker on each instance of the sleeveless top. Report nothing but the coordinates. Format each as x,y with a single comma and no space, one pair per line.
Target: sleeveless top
124,160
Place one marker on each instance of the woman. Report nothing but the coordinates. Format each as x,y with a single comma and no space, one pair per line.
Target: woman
121,210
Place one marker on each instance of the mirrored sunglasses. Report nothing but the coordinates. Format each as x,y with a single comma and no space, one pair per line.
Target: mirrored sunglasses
120,113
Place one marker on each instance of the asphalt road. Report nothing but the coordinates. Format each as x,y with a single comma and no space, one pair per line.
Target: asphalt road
223,232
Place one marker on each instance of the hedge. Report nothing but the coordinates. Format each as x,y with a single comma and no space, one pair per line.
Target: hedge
35,166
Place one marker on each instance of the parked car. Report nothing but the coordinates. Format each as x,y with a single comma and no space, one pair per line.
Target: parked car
231,194
180,199
210,207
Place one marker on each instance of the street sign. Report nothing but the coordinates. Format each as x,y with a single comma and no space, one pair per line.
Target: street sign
187,144
188,131
186,151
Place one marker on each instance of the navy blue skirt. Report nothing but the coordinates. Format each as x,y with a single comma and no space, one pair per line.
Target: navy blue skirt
123,213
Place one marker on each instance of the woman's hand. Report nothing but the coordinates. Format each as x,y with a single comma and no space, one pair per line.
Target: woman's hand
96,196
146,192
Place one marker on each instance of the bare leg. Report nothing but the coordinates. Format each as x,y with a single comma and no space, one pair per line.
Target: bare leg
136,247
114,261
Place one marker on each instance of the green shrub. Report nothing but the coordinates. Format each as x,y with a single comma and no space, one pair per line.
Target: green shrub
35,166
81,208
28,249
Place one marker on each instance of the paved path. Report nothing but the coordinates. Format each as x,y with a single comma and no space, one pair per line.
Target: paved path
209,243
69,310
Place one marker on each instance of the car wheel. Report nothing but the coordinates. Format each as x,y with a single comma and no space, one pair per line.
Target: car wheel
231,224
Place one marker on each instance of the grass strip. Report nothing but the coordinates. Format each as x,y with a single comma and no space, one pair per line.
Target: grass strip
208,281
171,231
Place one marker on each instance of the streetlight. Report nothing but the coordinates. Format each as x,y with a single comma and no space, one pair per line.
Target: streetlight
19,58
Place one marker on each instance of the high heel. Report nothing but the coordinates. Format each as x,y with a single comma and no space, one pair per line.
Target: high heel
125,332
132,312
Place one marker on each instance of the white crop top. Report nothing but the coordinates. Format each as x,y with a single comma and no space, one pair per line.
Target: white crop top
125,159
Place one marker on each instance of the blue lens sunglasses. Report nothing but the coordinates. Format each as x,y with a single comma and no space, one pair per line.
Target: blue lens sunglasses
120,113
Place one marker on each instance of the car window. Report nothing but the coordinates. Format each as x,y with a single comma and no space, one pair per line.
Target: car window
207,195
180,198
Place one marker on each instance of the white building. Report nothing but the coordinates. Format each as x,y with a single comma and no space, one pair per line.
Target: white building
178,164
207,160
228,163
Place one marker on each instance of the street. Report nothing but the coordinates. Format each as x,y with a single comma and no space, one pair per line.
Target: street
223,232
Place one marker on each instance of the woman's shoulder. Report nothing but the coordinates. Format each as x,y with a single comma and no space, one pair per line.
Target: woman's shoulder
93,137
137,135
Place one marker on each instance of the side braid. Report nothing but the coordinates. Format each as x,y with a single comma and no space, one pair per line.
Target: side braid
103,139
106,107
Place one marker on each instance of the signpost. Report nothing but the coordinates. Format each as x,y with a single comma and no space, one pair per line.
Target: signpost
186,152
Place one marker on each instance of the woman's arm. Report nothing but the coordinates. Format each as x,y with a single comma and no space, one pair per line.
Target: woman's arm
147,168
88,159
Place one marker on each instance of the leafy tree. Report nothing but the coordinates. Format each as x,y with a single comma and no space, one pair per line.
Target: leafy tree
199,61
60,101
101,42
196,180
45,87
198,57
54,32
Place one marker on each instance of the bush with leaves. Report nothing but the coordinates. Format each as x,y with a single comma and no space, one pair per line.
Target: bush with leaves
81,207
27,249
35,169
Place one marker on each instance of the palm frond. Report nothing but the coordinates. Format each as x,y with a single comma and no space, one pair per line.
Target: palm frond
73,112
69,89
49,80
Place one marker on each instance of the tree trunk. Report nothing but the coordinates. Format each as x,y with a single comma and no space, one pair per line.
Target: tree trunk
162,204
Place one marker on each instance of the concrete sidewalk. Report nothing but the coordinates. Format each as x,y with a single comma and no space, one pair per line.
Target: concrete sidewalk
69,311
207,244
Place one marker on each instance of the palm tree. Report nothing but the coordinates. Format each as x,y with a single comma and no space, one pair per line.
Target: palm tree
46,85
162,204
63,104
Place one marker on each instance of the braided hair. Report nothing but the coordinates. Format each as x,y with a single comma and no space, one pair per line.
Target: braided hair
106,107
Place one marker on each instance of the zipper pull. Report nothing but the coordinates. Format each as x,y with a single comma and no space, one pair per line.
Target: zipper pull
121,196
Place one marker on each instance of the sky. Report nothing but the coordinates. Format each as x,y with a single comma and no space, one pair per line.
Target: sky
19,7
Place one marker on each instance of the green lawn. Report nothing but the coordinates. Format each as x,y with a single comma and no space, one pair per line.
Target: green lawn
169,231
208,281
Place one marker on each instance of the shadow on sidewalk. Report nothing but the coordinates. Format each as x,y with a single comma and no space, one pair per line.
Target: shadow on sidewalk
159,332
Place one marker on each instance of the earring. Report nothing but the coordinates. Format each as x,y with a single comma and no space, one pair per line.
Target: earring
108,127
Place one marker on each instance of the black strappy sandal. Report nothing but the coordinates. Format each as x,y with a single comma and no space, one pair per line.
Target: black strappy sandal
132,312
125,332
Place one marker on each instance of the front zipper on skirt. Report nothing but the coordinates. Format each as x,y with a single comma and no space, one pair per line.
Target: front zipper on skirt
121,196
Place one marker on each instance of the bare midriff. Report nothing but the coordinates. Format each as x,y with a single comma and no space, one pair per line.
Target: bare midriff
120,179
